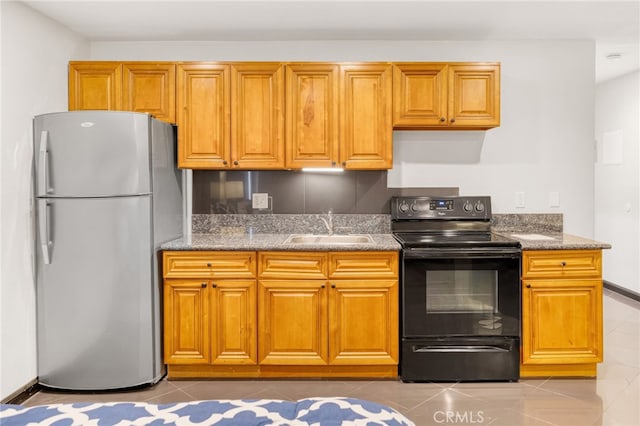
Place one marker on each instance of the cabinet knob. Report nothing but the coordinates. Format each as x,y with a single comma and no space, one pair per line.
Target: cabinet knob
344,164
224,162
322,286
235,163
203,285
528,285
333,286
442,119
563,264
209,264
214,285
453,120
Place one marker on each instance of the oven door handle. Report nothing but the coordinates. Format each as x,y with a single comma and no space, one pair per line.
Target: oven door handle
461,253
459,348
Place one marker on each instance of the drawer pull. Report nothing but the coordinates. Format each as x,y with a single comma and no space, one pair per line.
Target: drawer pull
209,265
563,264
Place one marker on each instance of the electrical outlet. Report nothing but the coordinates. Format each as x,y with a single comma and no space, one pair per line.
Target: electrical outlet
260,200
520,201
554,199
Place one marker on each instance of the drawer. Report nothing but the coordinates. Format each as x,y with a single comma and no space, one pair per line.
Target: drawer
363,264
562,263
209,264
297,264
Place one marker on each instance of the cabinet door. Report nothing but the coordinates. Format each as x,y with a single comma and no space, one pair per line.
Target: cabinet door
363,322
419,95
257,119
203,108
562,321
312,115
95,86
366,119
233,322
186,322
474,95
151,88
292,322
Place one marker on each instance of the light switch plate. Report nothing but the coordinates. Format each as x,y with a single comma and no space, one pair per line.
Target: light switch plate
260,200
520,200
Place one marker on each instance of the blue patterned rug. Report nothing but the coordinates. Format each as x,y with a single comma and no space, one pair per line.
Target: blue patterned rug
249,412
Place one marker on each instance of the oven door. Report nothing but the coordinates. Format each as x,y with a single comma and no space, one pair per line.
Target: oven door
461,292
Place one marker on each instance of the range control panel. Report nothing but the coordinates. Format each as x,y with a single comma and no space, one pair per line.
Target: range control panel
451,208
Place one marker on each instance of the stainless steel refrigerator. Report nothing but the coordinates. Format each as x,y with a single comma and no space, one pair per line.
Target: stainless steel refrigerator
107,195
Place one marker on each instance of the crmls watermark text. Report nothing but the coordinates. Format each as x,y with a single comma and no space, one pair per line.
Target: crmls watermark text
452,417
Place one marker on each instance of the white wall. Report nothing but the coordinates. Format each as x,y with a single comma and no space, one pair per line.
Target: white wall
617,178
544,144
35,53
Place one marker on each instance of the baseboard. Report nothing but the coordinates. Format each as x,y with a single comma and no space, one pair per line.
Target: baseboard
621,290
19,396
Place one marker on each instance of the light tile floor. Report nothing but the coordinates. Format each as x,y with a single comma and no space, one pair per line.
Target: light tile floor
611,399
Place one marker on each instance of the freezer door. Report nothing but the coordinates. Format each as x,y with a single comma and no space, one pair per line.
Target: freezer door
96,297
91,154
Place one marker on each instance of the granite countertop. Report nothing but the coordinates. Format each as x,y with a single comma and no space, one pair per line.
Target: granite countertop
553,241
382,242
273,242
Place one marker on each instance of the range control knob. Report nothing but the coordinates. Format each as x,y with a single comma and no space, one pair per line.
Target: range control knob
414,207
403,207
467,207
479,206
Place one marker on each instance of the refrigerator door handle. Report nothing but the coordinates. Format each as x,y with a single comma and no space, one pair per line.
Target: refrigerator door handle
43,227
43,178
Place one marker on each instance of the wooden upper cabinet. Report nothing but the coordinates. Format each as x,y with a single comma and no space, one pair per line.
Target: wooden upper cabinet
151,88
257,115
474,98
204,107
446,95
419,94
95,86
147,87
311,115
366,116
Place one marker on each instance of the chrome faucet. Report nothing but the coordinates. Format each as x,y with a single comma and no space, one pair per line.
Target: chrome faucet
328,222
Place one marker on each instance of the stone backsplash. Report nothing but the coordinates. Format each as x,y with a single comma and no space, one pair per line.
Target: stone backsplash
528,223
289,223
351,223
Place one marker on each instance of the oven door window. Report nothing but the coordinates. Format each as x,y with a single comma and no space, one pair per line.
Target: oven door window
461,297
461,291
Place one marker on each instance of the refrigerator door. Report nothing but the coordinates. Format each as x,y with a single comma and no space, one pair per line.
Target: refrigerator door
96,297
91,154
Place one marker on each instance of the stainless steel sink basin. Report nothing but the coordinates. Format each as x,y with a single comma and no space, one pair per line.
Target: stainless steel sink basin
328,239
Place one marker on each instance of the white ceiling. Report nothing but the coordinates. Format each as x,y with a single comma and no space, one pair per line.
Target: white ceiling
613,25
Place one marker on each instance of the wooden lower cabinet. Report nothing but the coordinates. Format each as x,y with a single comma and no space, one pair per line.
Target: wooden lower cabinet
561,313
308,314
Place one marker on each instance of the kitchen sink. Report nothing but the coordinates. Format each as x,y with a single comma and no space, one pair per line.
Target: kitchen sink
328,239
